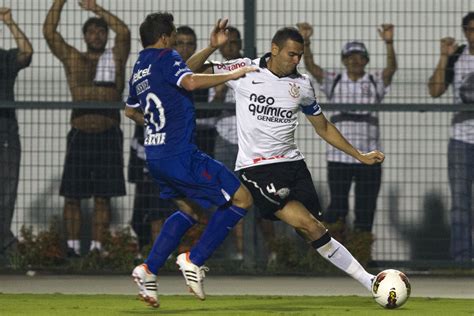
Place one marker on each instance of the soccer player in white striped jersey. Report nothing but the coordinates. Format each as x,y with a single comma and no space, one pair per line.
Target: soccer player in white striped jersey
270,163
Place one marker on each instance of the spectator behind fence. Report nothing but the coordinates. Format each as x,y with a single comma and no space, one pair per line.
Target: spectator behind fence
186,44
149,211
227,147
11,62
456,67
94,158
361,128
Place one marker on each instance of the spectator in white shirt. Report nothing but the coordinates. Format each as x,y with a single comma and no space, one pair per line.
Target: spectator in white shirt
361,128
456,67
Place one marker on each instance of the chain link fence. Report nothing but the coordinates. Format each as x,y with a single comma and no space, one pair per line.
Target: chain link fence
412,220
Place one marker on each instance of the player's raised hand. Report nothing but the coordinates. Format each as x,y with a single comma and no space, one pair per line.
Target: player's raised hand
240,72
386,32
448,46
88,5
5,15
306,30
219,35
372,157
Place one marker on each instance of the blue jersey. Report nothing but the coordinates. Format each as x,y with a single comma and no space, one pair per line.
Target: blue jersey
168,109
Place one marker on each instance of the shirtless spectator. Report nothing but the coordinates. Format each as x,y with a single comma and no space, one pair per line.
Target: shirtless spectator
94,158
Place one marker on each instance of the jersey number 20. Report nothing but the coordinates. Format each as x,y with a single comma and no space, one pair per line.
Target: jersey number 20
154,112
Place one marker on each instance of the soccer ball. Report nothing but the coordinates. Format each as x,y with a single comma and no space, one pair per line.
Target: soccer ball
391,288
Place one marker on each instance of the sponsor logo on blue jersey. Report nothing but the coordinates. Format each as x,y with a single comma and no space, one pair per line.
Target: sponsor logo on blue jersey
141,73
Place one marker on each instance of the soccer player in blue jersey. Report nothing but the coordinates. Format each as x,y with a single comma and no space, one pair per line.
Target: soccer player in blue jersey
160,99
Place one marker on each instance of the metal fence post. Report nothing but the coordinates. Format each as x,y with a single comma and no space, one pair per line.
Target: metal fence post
250,233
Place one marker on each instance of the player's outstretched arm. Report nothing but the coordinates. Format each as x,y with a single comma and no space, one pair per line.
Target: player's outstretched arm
327,131
219,36
202,81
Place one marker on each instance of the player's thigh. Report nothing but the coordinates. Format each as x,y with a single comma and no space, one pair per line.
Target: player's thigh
242,198
303,190
195,176
305,224
269,186
294,213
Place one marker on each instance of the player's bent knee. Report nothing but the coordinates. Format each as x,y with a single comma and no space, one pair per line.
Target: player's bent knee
242,198
188,207
244,203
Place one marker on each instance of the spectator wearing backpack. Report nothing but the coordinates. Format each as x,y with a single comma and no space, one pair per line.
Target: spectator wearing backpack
456,67
361,128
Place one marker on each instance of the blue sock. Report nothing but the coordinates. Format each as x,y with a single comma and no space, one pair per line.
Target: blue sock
220,224
170,235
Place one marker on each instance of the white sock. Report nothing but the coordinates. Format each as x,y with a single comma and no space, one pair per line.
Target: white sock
339,256
75,244
95,245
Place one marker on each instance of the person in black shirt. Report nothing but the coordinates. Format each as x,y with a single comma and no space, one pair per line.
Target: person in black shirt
11,62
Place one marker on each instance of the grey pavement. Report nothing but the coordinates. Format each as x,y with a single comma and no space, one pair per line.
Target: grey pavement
425,286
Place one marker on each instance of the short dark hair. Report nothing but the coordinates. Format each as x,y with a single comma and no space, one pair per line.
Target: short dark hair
286,33
99,22
186,30
155,26
234,30
466,19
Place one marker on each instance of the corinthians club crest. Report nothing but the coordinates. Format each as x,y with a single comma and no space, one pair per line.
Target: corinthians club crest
294,90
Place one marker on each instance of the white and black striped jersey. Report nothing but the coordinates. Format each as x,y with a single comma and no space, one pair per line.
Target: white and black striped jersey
462,129
360,128
267,109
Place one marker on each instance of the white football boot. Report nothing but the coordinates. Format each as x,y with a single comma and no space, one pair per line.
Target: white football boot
147,286
193,275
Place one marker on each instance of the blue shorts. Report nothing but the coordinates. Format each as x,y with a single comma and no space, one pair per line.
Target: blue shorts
196,176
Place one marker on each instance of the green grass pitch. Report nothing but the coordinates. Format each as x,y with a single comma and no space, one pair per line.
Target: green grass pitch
91,305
